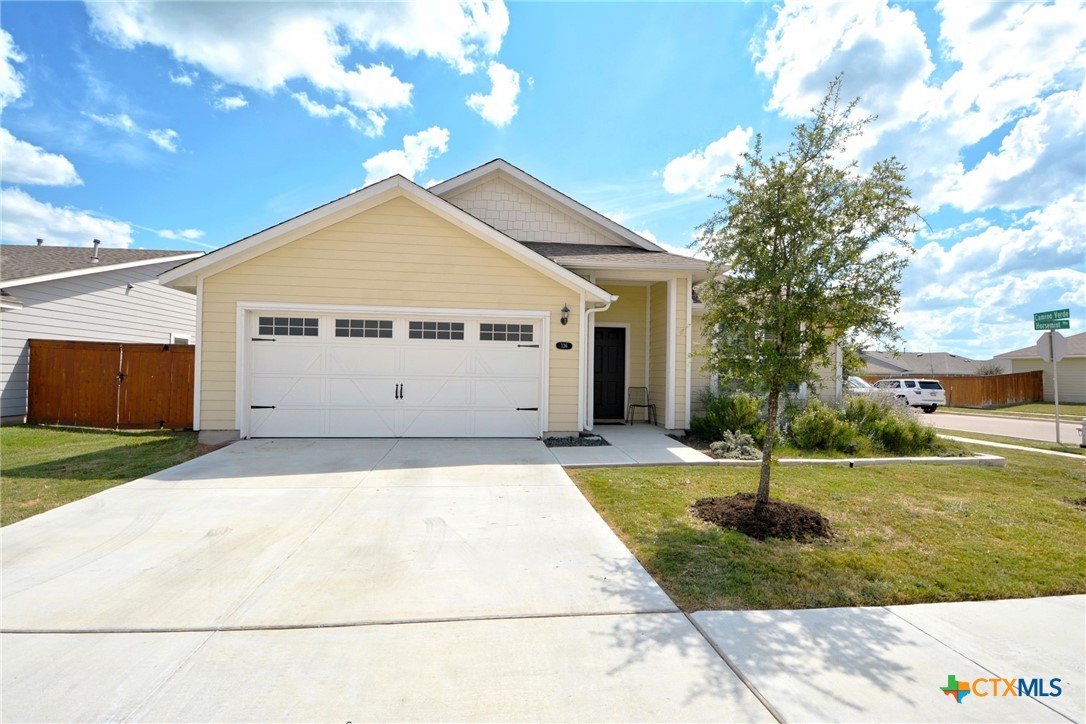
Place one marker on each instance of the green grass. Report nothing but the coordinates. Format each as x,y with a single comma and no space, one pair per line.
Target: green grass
45,467
1074,449
1031,409
904,533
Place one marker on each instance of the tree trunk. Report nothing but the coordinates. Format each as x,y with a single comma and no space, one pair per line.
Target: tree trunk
767,449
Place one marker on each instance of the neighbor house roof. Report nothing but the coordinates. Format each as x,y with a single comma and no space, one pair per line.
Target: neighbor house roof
25,264
1076,347
594,256
500,165
919,363
186,275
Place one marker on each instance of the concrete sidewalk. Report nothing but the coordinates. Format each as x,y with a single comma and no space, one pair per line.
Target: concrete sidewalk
637,444
890,664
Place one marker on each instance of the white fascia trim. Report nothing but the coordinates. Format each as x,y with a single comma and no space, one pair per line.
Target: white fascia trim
669,400
551,194
242,363
197,376
689,347
644,265
98,269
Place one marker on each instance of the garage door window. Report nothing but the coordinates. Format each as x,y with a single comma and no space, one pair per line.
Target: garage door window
435,330
375,328
505,332
288,326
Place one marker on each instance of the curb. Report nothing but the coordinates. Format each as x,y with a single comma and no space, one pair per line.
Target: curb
978,460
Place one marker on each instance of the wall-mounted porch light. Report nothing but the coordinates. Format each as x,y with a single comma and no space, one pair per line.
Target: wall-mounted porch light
565,314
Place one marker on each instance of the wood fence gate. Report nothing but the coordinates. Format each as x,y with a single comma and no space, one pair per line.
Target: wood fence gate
108,384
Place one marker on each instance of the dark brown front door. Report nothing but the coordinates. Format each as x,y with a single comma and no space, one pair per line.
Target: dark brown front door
609,376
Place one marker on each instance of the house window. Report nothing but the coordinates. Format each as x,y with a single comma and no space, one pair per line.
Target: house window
288,326
435,330
379,328
489,332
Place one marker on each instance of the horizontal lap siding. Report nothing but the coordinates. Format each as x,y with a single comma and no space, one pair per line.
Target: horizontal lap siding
700,379
1072,372
94,307
629,309
396,254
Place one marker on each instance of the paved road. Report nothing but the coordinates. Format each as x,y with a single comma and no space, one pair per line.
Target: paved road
1043,430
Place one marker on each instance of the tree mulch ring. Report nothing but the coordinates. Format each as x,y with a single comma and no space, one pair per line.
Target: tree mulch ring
776,519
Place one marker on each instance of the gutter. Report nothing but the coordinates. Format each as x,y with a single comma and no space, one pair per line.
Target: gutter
587,423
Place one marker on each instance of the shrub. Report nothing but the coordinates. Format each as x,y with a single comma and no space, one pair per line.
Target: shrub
890,425
736,412
736,446
821,428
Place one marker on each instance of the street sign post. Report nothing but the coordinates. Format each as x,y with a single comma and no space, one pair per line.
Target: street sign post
1052,346
1054,319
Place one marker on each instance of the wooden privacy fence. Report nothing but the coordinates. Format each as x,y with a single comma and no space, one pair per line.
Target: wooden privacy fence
108,384
984,390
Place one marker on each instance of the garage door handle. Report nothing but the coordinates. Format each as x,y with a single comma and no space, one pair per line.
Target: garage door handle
261,407
398,394
531,409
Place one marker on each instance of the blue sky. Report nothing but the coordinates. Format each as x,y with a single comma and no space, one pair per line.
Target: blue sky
190,125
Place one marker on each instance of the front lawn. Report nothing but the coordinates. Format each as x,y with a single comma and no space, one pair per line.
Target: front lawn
904,533
45,467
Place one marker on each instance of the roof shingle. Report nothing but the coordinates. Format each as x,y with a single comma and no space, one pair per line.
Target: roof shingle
18,261
585,255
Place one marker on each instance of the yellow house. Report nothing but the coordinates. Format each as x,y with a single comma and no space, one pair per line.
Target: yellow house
490,305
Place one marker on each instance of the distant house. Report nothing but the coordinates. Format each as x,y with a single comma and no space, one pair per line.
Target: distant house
71,293
1072,368
917,364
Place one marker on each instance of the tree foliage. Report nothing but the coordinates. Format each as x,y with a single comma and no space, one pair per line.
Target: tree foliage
806,253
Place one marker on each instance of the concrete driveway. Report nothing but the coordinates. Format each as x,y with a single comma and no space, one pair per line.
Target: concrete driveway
360,580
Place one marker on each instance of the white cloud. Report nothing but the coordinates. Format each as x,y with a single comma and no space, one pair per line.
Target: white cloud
11,82
267,46
1010,66
704,170
417,152
500,105
373,126
23,219
164,138
185,79
181,234
231,103
976,297
25,163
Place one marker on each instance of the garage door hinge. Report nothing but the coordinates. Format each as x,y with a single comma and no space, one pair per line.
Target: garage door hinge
529,345
262,339
261,407
533,409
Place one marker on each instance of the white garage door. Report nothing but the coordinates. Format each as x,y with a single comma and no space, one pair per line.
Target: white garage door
384,375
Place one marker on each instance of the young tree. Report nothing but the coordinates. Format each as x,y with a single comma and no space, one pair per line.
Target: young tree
804,257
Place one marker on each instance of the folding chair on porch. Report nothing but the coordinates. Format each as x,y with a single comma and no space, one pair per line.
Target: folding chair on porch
639,398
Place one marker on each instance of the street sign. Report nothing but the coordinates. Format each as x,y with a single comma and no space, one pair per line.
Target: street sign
1051,346
1052,324
1054,314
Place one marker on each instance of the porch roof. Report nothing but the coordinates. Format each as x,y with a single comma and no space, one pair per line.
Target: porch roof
594,256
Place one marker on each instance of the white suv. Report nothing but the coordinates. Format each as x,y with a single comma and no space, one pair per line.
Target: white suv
925,394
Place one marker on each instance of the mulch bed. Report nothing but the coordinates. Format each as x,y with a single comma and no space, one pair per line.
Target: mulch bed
698,443
583,441
777,519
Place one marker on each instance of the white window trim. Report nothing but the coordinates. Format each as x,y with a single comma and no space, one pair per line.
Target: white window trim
247,311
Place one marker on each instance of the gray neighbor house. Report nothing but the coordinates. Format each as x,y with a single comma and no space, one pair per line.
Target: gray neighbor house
86,294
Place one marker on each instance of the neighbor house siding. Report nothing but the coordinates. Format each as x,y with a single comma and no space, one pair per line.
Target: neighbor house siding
1072,372
396,254
92,307
512,209
630,309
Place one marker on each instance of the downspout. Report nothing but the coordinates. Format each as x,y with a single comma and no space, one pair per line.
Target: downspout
589,413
